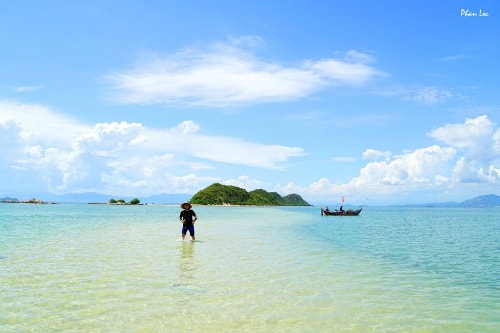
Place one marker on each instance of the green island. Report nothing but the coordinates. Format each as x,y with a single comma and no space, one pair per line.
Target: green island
123,202
134,201
228,195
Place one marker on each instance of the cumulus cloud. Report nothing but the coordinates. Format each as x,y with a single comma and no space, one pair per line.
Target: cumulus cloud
132,159
188,127
421,169
479,141
470,155
468,158
120,156
10,142
476,137
228,74
420,166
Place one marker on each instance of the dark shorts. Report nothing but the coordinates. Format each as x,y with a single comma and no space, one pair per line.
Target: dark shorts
190,228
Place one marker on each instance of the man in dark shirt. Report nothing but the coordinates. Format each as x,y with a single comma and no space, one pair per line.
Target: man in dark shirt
188,218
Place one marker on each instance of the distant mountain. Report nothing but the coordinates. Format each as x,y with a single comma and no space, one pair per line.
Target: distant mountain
8,199
490,200
218,194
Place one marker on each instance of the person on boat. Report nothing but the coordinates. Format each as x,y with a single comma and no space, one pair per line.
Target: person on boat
188,218
341,209
327,209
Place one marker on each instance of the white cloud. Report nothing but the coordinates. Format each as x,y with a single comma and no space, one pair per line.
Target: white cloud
188,127
132,159
119,156
110,139
350,70
39,123
227,74
372,154
26,89
320,190
421,166
455,57
471,157
358,57
479,143
235,151
476,137
465,172
422,169
343,159
427,96
431,95
245,182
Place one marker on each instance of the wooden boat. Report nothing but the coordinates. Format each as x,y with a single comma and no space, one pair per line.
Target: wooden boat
349,212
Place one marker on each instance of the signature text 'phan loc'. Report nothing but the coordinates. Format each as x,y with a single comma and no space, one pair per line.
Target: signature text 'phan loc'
469,13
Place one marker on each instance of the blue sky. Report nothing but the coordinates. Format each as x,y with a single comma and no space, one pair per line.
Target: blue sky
378,101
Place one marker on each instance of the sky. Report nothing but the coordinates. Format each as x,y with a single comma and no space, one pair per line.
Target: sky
381,102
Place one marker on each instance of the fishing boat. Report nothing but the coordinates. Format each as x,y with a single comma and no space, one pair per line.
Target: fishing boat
349,212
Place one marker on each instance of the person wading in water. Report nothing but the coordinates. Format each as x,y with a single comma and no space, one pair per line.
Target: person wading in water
188,218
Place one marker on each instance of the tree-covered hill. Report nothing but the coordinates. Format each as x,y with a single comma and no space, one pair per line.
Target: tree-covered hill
218,194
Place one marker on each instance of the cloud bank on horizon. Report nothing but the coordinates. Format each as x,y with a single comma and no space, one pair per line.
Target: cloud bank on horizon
132,159
371,123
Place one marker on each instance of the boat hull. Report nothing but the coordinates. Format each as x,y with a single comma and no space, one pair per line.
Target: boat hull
349,212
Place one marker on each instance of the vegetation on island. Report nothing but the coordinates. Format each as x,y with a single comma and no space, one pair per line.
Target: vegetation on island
218,194
123,202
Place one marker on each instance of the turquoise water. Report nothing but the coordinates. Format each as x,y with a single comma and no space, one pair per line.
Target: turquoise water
101,268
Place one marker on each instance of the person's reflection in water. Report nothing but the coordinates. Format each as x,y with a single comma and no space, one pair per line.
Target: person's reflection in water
186,264
187,269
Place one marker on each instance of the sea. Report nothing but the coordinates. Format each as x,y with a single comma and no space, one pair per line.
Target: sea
106,268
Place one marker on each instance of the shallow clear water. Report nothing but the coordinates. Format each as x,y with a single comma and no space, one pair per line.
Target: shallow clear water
101,268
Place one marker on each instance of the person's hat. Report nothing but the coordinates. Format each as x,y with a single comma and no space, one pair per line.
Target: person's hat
186,203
